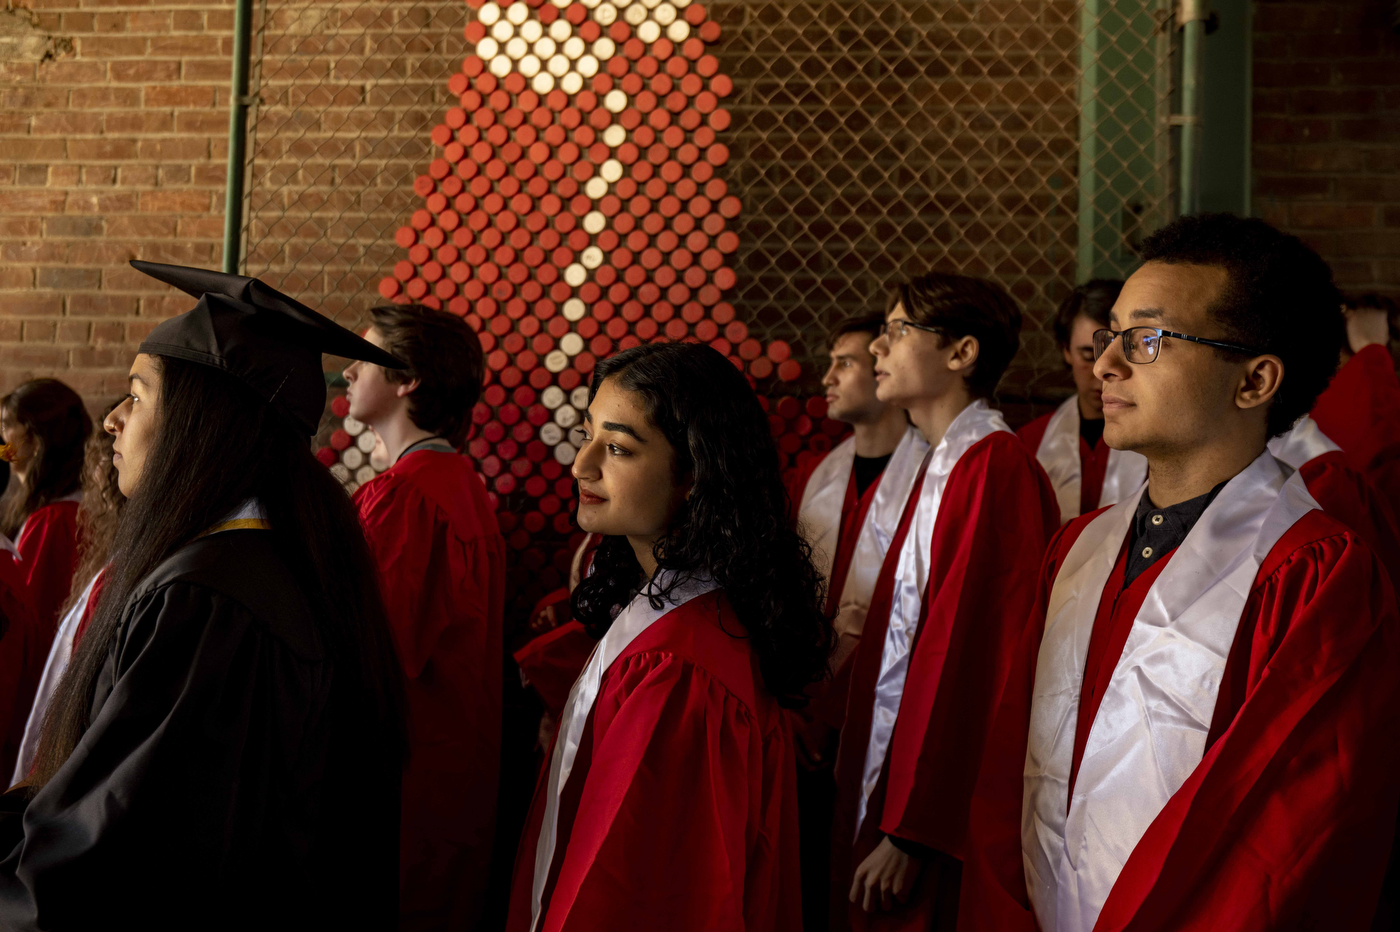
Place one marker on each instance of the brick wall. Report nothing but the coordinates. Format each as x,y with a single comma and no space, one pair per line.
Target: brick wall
1327,132
113,125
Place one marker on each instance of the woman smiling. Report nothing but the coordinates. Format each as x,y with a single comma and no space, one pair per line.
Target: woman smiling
669,801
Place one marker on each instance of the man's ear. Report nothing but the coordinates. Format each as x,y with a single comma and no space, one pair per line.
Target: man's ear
1262,377
964,353
406,388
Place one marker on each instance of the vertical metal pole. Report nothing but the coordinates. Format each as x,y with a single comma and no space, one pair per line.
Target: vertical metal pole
1192,18
237,136
1089,181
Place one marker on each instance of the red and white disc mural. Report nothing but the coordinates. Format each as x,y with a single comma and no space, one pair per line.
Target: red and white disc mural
577,208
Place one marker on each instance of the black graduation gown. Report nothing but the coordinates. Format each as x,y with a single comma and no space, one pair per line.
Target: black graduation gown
221,784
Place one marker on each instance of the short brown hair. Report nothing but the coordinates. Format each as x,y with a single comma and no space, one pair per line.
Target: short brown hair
444,354
965,306
1094,299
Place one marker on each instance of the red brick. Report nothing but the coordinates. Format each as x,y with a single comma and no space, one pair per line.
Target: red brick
73,331
29,304
179,96
38,331
73,72
173,149
105,98
31,202
144,72
14,279
111,47
1293,186
69,279
174,201
140,122
68,123
185,46
102,150
1333,216
101,305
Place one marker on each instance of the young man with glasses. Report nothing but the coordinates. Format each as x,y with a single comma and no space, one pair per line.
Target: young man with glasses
948,606
1086,472
1198,730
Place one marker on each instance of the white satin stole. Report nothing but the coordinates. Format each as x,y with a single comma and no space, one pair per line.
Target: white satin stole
825,495
976,422
1304,442
1058,452
636,618
1150,729
60,652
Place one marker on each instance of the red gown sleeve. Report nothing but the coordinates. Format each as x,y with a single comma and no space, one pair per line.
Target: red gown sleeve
1360,409
1288,819
982,587
49,551
667,731
1347,496
552,662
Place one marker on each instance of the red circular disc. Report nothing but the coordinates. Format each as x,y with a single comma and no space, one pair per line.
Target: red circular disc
760,368
790,371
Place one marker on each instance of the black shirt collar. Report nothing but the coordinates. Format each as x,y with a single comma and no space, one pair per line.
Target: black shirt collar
1159,531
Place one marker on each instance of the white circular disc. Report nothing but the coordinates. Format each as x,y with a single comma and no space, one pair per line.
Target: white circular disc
366,441
592,257
650,4
517,48
340,472
648,32
572,344
353,458
542,83
500,66
529,66
595,188
502,31
574,309
566,416
556,361
680,4
545,47
606,14
587,66
558,66
562,3
531,31
488,14
551,433
665,14
614,136
560,30
564,453
352,426
364,474
575,275
573,46
590,3
517,13
635,15
620,3
611,170
552,397
572,82
579,397
604,48
593,222
615,101
487,49
678,31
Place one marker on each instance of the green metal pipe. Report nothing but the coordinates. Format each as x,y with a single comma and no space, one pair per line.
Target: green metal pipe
1192,99
237,136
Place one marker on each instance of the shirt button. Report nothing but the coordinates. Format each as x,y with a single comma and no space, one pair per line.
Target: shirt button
1147,553
1156,519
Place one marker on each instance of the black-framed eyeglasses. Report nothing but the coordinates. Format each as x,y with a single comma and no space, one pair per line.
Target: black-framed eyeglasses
896,329
1142,344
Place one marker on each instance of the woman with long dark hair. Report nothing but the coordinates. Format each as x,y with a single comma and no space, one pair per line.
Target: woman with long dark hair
225,749
670,801
98,518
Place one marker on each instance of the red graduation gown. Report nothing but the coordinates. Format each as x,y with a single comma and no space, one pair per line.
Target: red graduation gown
1287,820
1093,461
16,644
997,513
441,564
680,812
1360,411
1346,495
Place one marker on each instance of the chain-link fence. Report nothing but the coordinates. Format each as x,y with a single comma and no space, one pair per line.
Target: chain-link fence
577,177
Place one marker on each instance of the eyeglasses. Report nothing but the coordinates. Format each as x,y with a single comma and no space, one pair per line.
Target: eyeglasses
895,330
1142,344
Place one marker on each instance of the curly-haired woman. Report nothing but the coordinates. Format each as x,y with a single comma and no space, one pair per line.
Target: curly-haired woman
669,801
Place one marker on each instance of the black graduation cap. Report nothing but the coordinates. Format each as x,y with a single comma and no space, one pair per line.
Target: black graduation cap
268,341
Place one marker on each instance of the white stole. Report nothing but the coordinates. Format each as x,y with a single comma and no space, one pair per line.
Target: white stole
60,652
636,618
976,422
1150,729
1058,452
1304,442
825,494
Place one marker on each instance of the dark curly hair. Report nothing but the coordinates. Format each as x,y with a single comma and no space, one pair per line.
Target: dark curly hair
734,526
1094,299
964,306
1278,298
444,354
59,427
